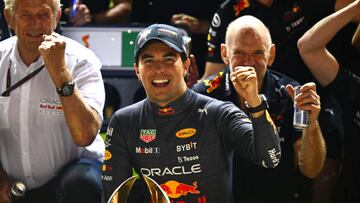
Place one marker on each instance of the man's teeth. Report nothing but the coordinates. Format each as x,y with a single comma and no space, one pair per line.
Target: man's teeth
160,81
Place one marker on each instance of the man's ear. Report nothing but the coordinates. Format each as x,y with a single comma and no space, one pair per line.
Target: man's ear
272,55
224,55
186,66
9,19
58,16
136,68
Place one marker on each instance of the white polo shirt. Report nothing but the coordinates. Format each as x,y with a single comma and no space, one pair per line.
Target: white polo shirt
38,143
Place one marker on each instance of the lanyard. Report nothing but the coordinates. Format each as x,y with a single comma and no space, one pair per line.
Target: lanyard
6,93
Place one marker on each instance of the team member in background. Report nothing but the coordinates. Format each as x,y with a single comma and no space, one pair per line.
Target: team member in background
248,46
179,138
52,96
344,84
287,21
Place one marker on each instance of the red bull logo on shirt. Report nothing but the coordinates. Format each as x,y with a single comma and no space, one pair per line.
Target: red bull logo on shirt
175,189
214,83
240,6
167,111
49,105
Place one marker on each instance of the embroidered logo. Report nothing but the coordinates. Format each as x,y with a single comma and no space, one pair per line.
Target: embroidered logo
147,135
167,111
107,155
214,83
240,6
186,132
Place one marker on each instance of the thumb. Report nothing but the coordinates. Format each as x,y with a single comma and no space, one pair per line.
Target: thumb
290,90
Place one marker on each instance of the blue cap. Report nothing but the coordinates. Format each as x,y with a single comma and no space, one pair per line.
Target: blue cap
170,35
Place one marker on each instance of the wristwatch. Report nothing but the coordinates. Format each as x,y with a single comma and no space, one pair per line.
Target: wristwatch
67,89
264,105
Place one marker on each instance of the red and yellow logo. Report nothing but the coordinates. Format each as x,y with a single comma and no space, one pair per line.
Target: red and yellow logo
107,156
214,83
175,189
240,6
185,133
167,111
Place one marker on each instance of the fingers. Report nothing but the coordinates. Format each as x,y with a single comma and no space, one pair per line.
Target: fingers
307,94
290,89
50,42
83,15
183,19
193,65
244,79
243,75
307,99
176,17
193,73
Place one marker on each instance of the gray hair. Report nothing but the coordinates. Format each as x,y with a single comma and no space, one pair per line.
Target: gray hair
10,5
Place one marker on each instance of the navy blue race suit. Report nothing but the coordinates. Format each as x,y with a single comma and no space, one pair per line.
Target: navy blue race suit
186,147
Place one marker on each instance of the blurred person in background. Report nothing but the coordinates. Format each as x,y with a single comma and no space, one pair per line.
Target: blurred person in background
193,16
340,80
96,12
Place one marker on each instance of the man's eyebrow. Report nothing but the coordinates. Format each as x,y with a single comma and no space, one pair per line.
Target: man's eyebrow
167,54
143,56
170,53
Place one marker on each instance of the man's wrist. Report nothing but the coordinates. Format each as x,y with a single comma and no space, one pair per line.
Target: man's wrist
313,124
262,105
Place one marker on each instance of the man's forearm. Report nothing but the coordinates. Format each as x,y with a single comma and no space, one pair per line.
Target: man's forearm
118,14
82,120
266,141
312,151
320,35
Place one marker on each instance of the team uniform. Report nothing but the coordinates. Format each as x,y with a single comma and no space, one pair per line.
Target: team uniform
283,183
38,144
287,21
346,88
186,147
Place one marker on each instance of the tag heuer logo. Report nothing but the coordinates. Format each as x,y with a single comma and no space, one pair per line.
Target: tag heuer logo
147,135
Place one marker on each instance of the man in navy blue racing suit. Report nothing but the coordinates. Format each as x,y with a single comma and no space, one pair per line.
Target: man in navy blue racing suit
248,44
183,140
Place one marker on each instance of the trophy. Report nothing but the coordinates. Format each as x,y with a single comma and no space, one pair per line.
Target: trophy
121,193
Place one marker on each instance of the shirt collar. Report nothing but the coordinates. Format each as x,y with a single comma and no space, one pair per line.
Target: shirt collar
174,107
